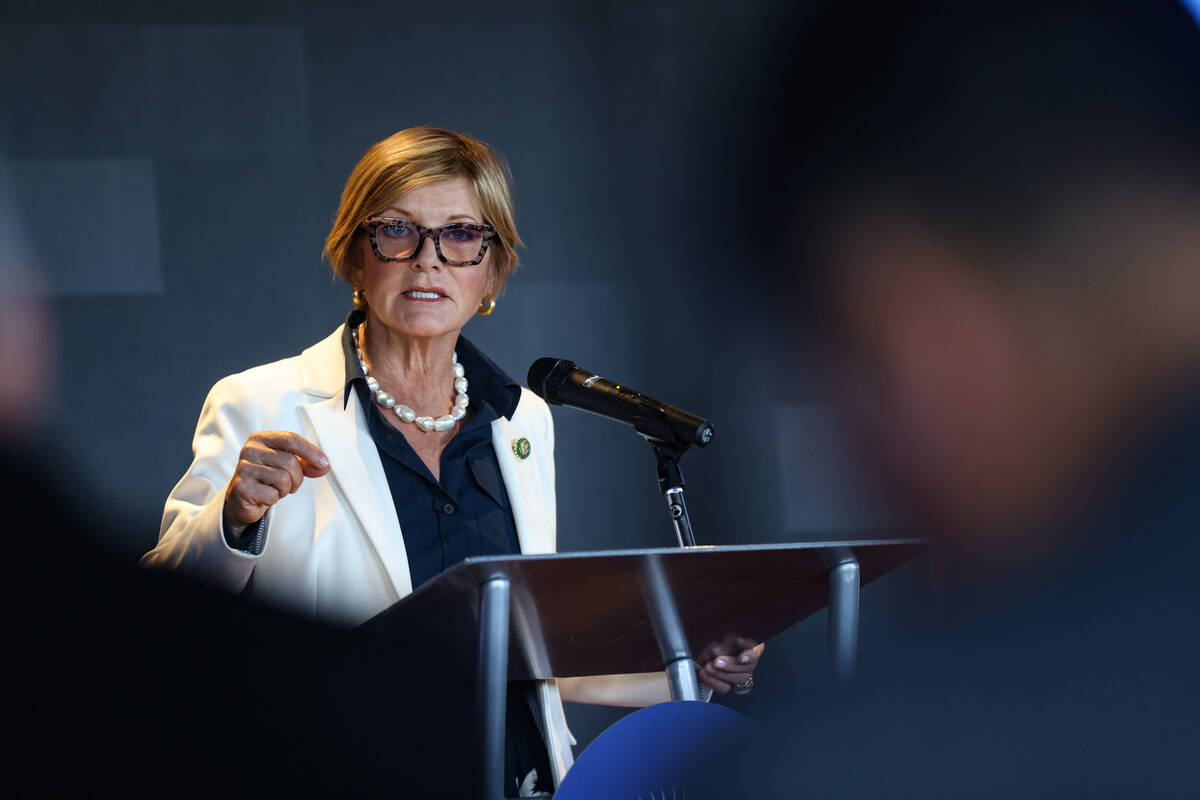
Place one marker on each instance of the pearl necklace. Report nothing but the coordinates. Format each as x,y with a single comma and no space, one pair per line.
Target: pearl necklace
406,414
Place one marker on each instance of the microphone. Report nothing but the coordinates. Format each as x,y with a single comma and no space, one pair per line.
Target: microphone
562,383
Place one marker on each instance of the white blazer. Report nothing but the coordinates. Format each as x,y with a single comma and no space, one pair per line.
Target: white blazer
334,550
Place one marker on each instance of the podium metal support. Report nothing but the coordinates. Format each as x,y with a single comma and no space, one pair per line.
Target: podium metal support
844,581
491,683
668,632
681,680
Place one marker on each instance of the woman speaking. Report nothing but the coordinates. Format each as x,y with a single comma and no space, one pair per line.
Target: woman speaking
335,481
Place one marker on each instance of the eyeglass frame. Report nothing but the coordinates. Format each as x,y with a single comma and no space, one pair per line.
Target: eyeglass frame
372,225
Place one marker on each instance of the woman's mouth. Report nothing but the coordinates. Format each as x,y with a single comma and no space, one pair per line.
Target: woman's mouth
424,294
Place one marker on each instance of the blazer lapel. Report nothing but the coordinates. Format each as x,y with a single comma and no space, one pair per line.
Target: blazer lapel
524,484
341,432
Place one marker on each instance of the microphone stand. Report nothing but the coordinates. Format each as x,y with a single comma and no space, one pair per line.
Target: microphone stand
670,484
682,678
668,449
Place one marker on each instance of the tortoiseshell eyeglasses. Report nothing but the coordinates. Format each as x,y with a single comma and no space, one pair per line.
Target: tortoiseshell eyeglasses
459,244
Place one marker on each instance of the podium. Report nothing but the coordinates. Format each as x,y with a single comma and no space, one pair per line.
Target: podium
598,613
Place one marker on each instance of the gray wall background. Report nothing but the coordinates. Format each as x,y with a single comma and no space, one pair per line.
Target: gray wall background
178,166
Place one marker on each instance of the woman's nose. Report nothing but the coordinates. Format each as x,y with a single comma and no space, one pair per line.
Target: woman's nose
426,256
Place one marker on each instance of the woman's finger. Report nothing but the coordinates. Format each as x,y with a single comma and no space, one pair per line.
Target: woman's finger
716,684
257,492
731,665
731,674
247,501
280,479
738,675
752,655
261,454
314,462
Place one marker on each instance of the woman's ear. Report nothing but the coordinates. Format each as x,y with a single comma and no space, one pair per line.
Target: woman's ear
354,268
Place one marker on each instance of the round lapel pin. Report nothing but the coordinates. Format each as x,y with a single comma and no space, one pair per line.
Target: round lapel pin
522,448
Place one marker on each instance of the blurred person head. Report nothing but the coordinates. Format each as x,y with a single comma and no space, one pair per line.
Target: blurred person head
25,347
997,212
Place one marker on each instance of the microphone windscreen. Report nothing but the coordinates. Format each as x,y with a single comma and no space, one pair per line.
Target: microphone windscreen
538,372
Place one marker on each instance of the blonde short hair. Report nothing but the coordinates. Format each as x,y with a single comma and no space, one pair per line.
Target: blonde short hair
408,160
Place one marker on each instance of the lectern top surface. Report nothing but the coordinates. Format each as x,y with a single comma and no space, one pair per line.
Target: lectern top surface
704,548
589,613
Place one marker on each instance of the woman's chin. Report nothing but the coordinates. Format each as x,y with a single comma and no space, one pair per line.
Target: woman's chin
430,324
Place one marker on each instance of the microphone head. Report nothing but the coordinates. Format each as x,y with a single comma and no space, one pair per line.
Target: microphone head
546,377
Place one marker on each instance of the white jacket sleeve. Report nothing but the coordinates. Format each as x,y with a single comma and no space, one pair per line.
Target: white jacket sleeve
551,477
191,537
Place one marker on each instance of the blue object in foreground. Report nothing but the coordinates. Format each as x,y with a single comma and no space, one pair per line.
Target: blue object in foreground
652,752
1192,6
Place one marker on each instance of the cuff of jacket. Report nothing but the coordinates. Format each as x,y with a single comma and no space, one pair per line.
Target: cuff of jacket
252,539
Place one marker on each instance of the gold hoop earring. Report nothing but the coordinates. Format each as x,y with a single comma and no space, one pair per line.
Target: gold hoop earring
360,300
487,305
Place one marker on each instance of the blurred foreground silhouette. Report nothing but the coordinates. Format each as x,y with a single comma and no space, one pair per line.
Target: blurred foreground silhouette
125,682
992,212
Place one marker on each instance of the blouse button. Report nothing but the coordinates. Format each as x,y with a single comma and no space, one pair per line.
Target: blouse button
448,508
